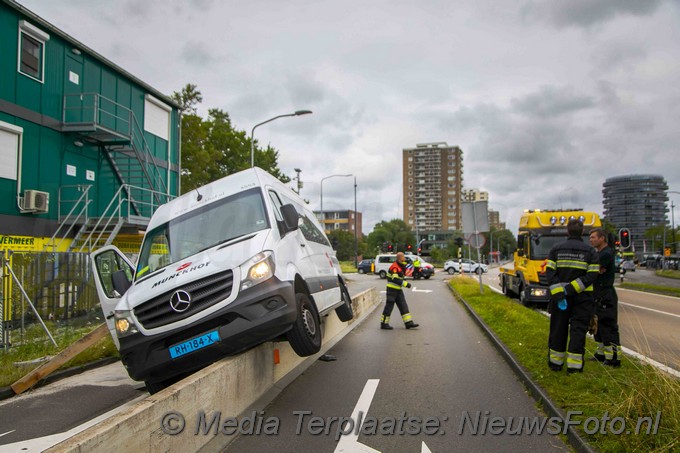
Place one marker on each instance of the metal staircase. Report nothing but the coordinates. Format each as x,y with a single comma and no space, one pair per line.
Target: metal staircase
141,183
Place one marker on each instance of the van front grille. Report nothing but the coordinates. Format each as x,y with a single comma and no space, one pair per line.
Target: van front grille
200,295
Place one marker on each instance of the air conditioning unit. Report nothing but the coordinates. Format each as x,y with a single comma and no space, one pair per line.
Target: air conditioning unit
36,201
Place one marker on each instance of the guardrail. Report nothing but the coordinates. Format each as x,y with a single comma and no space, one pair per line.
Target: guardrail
230,386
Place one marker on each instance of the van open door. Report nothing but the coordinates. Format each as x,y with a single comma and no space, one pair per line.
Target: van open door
113,273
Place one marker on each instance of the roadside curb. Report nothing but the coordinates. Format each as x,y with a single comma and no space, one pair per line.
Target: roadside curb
541,397
7,392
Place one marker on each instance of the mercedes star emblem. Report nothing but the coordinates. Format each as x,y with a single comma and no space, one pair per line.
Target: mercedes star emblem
180,301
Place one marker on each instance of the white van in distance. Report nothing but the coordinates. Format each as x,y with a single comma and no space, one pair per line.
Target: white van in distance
223,268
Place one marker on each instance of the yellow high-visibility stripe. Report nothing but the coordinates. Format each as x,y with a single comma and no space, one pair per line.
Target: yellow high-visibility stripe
556,357
550,264
573,264
406,317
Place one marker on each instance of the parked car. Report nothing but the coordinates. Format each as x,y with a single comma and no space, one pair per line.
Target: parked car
469,266
384,261
365,266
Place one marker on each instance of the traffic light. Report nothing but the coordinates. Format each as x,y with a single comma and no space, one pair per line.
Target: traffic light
408,247
389,247
624,238
459,242
420,249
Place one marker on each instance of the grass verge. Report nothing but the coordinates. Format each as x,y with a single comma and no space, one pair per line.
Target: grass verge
668,274
36,344
635,390
656,289
348,267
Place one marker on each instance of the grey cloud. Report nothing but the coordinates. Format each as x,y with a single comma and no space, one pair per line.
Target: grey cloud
197,54
614,56
586,13
551,102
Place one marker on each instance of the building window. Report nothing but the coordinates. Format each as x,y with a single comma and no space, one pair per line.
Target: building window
157,117
31,60
10,150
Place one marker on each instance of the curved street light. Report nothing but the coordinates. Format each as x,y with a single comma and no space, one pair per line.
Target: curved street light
252,132
323,216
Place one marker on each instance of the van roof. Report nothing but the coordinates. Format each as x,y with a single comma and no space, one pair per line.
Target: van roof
221,188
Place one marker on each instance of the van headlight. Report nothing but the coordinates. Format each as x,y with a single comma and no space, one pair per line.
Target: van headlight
257,269
124,323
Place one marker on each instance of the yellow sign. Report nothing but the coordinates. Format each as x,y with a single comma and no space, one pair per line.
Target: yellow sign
667,251
29,243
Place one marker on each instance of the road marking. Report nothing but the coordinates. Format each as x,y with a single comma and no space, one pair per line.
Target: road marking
415,290
424,449
8,432
650,309
675,298
349,442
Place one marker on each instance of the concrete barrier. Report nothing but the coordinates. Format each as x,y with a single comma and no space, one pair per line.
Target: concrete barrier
225,389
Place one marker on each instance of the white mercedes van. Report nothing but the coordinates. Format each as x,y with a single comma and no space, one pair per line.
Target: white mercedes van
235,263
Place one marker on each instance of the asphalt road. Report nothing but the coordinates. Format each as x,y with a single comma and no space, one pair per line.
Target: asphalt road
444,370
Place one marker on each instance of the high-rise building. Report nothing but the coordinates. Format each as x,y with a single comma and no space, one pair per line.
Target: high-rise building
636,202
432,185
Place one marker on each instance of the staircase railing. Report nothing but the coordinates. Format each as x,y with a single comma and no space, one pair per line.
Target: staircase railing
92,112
78,211
119,209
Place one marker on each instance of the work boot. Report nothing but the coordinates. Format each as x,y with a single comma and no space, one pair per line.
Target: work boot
411,325
555,367
599,357
385,326
574,370
612,363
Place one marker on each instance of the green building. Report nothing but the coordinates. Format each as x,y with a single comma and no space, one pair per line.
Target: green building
87,150
87,154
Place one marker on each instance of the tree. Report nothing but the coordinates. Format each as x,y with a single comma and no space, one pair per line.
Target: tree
395,232
212,148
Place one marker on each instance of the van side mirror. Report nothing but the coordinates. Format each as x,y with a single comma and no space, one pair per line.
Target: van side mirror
120,282
290,218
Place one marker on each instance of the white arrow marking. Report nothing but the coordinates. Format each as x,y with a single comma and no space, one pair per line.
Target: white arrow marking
424,449
421,290
349,442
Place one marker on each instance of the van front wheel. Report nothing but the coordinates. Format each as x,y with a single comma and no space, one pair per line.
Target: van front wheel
305,336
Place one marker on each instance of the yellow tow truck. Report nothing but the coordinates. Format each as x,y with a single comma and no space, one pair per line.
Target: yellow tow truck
539,230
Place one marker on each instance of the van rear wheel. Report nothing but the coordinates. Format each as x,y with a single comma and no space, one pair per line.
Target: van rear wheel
344,311
305,336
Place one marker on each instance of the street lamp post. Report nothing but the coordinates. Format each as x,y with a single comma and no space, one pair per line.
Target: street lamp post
356,241
299,184
252,132
323,216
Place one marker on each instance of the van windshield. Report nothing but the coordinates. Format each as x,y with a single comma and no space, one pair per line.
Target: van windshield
201,229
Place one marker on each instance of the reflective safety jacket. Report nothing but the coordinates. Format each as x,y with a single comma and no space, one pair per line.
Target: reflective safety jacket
572,268
395,276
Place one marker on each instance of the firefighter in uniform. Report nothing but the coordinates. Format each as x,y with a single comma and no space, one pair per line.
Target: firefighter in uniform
606,302
572,269
395,283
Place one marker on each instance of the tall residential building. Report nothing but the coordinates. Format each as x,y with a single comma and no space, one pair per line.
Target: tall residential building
432,185
636,202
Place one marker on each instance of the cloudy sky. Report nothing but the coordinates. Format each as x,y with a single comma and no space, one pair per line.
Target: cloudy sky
547,98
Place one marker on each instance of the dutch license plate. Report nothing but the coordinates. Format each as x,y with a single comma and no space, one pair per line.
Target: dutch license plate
194,344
